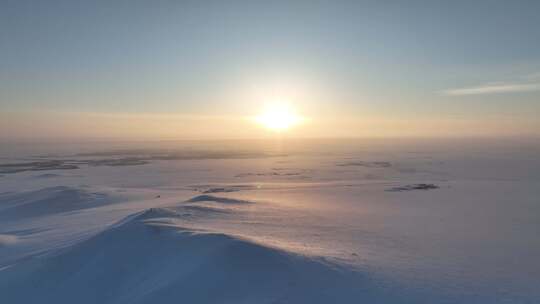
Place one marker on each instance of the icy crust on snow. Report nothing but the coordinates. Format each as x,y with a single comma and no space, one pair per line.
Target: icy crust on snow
146,258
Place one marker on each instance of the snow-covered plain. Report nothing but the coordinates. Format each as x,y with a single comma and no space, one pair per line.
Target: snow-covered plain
335,221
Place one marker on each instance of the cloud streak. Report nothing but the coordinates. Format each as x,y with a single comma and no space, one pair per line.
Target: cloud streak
498,88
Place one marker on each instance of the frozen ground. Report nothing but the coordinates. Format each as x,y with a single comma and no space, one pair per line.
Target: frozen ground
278,222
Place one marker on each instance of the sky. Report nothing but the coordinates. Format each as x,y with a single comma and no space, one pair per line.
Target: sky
203,69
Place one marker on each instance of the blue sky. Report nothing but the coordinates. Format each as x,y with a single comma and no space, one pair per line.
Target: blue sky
389,59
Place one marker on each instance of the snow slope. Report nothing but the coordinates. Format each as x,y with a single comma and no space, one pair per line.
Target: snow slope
316,224
47,201
149,258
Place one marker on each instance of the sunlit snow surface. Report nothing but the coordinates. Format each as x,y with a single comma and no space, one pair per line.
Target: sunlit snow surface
285,222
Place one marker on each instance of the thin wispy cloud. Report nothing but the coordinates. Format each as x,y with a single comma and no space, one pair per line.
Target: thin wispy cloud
498,88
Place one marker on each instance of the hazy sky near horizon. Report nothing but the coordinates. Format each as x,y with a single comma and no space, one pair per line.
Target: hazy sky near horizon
189,69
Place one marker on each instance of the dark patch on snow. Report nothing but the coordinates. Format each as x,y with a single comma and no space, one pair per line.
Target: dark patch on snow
207,189
220,189
118,162
47,175
36,166
56,164
25,232
206,209
126,158
413,187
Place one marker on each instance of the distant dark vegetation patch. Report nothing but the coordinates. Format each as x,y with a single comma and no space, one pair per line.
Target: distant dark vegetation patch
36,166
125,158
47,165
413,187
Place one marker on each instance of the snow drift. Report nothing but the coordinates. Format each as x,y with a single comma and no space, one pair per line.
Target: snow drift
149,258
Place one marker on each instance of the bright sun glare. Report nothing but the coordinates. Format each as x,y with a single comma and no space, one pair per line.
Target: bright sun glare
278,117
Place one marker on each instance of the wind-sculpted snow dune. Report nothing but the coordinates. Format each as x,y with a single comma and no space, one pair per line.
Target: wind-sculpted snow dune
47,201
149,258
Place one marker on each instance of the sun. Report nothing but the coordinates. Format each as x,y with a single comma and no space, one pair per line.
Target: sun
278,117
